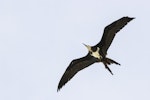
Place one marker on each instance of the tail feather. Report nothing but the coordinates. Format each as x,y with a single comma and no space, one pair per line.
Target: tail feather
107,68
110,61
107,62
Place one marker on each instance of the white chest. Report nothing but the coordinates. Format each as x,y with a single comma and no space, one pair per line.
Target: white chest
96,54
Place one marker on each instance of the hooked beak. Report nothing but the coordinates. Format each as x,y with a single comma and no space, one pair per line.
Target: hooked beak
84,44
87,46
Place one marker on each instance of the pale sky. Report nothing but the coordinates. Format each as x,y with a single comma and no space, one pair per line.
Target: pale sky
39,38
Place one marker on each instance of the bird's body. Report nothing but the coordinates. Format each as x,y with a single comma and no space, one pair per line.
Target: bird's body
96,53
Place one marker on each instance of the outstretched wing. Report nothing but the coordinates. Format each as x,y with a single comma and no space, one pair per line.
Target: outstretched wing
110,32
74,67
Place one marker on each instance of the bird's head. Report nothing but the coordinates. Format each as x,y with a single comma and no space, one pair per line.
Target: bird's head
88,47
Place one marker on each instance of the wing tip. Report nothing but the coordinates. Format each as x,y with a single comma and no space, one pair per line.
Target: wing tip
58,89
130,18
60,86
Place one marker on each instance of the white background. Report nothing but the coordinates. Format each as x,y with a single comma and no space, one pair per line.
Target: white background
39,38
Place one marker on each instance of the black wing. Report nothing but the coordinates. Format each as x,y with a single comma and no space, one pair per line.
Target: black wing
74,67
110,32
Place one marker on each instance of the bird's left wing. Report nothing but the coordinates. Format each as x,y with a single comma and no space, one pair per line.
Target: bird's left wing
74,67
110,32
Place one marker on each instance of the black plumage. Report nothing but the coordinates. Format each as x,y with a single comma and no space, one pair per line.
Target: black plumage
110,32
96,53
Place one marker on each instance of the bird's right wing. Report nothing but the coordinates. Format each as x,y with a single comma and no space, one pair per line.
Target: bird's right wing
74,67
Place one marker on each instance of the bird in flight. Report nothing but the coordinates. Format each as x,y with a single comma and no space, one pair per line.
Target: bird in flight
96,53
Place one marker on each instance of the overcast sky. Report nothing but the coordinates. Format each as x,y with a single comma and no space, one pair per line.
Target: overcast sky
39,38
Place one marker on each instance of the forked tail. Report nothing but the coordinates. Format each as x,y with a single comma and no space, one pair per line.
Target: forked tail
109,61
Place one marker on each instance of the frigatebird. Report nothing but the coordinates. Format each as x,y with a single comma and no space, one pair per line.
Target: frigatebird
96,53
